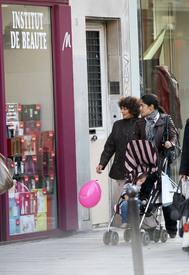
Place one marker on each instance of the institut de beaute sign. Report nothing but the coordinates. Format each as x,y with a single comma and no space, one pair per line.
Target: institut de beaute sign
27,31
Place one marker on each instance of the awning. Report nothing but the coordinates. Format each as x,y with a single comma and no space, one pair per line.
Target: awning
154,49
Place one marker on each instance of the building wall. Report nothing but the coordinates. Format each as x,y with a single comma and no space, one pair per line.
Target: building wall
103,11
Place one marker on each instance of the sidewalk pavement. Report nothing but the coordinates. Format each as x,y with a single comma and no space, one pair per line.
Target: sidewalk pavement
84,253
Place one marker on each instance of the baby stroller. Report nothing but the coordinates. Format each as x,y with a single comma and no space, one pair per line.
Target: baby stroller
141,157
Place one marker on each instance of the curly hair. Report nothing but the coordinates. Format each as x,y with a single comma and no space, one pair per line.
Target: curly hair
131,103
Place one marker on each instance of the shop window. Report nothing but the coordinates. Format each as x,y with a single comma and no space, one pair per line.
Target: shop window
163,36
30,118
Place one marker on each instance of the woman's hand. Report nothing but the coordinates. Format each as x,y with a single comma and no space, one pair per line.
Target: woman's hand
99,169
167,144
184,177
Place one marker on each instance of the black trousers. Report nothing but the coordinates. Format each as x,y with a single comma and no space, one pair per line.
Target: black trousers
170,225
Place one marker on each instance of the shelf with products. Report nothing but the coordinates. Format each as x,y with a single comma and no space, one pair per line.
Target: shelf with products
32,153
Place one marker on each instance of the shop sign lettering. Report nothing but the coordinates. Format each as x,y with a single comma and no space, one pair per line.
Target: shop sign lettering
66,42
27,31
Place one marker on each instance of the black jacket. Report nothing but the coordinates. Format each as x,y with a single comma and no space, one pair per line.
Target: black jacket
121,134
159,128
184,166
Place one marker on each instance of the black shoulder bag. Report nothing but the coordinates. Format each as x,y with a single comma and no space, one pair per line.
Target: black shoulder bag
173,153
178,203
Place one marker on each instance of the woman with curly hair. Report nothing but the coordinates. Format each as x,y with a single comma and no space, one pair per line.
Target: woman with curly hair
116,143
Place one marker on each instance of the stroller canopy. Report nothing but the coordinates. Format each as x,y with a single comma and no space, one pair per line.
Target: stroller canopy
141,157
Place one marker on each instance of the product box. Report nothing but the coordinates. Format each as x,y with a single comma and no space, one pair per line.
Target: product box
46,163
13,112
47,140
33,202
35,182
41,200
28,145
24,199
30,165
14,216
31,112
41,222
21,187
37,140
14,147
28,224
14,226
19,166
15,129
49,183
31,126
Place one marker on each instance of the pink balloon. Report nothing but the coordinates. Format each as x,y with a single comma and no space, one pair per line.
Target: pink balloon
90,194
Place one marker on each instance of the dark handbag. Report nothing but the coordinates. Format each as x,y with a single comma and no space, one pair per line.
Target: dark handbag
184,217
6,181
178,203
172,154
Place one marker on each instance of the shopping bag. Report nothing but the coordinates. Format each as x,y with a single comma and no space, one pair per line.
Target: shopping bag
6,181
178,203
167,190
184,217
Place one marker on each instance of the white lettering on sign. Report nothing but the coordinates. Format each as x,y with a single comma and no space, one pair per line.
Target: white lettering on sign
66,42
15,40
31,24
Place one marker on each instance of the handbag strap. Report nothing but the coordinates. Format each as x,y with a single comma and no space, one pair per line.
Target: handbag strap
166,119
179,186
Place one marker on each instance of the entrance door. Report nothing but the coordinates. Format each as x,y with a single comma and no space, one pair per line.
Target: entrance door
97,100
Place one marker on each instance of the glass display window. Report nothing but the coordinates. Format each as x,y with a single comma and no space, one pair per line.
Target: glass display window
30,118
163,55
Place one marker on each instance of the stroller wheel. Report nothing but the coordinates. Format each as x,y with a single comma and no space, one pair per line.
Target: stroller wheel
114,238
145,238
163,236
156,235
106,237
127,235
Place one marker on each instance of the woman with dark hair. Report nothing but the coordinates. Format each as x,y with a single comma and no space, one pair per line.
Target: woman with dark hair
116,143
151,127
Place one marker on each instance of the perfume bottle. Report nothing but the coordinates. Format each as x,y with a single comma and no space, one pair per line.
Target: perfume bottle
15,213
16,168
10,211
22,208
31,205
33,183
26,207
34,206
48,185
31,112
22,167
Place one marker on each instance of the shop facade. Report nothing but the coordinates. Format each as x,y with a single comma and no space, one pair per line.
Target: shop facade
37,119
163,56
